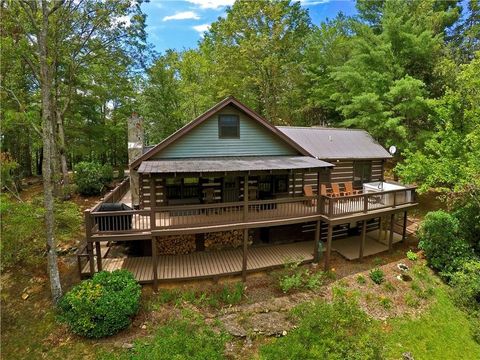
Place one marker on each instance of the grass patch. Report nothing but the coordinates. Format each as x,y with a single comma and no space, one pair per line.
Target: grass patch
339,330
185,338
443,332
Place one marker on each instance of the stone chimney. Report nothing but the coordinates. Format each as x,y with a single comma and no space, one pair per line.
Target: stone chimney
135,149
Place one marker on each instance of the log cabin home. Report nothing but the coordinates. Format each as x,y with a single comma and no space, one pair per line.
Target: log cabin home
229,193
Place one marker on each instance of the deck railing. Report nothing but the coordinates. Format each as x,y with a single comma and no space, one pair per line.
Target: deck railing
187,216
334,207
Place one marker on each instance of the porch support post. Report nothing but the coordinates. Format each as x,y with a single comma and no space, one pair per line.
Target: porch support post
245,198
390,238
316,254
293,184
329,247
404,230
98,250
244,260
362,241
154,263
319,195
153,203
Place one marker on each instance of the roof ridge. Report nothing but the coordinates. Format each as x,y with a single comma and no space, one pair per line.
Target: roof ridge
319,128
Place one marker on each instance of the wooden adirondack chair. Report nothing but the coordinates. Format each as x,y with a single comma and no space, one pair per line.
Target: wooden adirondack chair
308,191
349,190
336,190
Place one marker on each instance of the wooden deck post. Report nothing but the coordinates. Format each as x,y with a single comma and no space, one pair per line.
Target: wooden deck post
244,260
316,254
153,203
390,238
154,263
245,198
88,237
362,241
98,250
329,247
319,193
404,230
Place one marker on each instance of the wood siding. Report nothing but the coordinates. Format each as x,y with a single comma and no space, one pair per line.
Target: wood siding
203,141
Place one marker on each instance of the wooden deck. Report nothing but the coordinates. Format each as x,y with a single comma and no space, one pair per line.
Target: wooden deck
210,264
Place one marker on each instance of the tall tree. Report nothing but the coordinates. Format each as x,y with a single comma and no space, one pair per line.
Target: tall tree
57,39
255,53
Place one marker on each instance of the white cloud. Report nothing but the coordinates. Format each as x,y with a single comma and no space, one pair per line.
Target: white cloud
184,15
201,28
313,2
211,4
123,20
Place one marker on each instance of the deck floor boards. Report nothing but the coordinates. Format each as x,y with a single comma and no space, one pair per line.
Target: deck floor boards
211,263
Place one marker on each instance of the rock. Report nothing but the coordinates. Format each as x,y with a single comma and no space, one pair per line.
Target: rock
408,356
127,346
143,327
284,333
25,296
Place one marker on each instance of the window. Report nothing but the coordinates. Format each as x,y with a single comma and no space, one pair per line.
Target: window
362,172
228,127
178,188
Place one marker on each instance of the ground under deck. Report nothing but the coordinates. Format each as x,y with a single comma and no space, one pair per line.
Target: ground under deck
210,264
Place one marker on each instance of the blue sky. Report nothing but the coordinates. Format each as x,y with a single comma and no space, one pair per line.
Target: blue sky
173,24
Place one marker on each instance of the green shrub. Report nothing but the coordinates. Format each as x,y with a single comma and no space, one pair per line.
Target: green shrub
107,173
101,306
185,338
411,255
439,238
340,330
291,282
91,177
466,284
377,276
361,280
385,302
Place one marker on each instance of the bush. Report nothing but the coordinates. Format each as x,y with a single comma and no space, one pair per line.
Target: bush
439,238
340,330
466,284
101,306
411,255
107,173
377,276
91,177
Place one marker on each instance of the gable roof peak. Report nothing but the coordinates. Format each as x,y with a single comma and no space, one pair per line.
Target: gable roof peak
230,100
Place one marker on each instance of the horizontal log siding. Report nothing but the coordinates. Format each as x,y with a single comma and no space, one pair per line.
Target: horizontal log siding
342,172
145,191
377,170
203,141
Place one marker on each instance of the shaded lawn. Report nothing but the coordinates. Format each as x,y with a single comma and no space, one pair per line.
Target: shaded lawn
443,332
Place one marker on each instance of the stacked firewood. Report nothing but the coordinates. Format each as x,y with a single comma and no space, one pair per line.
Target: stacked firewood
176,244
225,239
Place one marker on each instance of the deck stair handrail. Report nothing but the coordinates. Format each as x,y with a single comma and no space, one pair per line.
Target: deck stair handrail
118,192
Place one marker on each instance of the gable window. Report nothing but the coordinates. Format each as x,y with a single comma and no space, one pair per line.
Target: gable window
362,172
228,127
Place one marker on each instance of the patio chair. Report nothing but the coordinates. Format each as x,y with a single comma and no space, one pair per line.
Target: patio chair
336,190
308,191
349,190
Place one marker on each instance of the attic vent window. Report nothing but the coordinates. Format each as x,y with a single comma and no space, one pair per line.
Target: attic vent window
228,127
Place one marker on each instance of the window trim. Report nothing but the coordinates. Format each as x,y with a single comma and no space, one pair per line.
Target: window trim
237,118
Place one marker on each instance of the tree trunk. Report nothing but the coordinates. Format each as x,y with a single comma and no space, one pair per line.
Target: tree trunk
62,151
48,155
